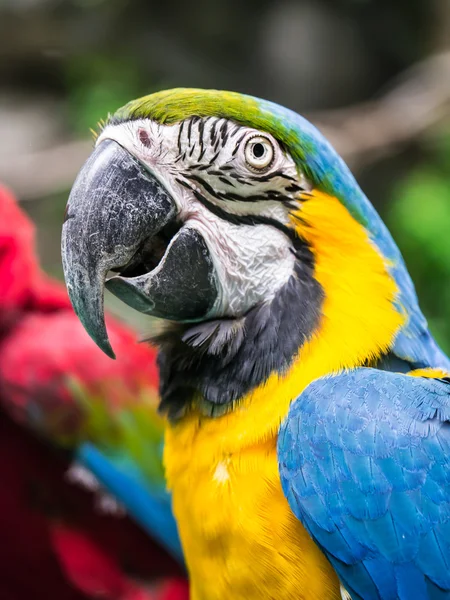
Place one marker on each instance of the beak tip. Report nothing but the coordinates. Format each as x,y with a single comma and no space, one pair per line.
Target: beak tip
95,328
103,343
109,351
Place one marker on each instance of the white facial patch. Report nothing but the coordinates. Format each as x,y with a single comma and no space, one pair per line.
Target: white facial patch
252,262
204,165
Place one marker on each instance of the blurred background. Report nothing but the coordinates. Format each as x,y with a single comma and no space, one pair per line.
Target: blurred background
374,75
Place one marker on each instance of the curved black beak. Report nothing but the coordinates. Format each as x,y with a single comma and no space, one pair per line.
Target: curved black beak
120,217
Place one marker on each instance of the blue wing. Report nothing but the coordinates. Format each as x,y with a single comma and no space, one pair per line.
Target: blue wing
147,501
364,460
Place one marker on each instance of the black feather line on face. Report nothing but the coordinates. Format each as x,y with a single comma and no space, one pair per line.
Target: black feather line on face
214,158
201,128
235,130
240,219
212,133
238,143
270,176
189,130
180,132
224,132
265,195
212,365
225,181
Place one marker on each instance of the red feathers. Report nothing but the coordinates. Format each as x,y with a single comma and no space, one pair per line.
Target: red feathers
19,273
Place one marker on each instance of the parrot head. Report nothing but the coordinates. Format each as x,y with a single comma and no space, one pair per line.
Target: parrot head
236,221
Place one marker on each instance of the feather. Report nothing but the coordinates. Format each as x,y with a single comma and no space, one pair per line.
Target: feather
393,496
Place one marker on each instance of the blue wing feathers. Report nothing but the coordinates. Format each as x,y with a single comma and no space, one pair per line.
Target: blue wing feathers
364,460
410,582
384,578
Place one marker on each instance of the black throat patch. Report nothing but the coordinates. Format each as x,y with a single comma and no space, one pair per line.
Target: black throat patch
213,364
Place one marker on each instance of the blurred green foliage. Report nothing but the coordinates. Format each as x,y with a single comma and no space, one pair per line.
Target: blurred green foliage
419,219
99,84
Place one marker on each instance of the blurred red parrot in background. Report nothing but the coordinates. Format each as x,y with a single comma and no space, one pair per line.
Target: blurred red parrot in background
63,536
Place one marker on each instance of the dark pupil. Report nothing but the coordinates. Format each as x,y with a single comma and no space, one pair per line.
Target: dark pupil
258,150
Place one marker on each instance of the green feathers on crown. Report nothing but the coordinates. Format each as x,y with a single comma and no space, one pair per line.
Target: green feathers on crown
171,106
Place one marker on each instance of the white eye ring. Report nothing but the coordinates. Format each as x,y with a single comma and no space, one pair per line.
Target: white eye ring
259,152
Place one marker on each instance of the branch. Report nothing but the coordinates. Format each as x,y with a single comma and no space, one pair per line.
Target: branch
418,101
363,133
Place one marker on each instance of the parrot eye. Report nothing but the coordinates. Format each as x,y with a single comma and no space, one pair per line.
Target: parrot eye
259,153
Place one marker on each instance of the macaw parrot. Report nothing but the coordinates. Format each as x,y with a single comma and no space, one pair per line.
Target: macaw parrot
307,445
65,410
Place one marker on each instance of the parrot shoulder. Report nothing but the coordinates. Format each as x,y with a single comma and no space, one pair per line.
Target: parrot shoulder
364,461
